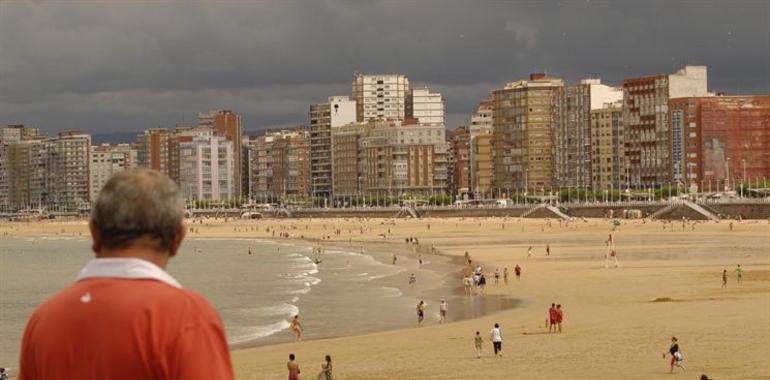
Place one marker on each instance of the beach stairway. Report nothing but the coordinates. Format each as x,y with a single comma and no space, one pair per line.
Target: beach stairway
701,210
407,212
684,209
284,212
664,211
544,210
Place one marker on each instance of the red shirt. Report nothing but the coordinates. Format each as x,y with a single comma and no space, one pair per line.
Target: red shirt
125,328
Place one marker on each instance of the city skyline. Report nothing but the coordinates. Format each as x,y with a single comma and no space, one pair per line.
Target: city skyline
109,68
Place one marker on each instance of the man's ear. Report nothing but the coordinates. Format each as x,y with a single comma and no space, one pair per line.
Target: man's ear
96,236
181,232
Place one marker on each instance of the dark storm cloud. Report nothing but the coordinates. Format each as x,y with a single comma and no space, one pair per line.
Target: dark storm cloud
126,66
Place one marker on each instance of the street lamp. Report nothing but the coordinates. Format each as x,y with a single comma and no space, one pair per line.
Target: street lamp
727,174
743,179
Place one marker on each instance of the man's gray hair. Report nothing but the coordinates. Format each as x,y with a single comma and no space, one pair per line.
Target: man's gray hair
138,203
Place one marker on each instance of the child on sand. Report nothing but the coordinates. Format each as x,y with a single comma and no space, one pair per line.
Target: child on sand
739,273
724,278
559,316
517,271
497,276
478,342
326,369
505,275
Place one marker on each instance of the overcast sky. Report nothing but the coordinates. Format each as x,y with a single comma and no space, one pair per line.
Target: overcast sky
126,66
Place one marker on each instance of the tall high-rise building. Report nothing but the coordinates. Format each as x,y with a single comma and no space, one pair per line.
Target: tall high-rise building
106,160
380,96
608,170
460,148
10,176
524,117
572,137
425,106
228,124
645,118
348,159
207,167
324,117
68,159
482,165
156,151
718,141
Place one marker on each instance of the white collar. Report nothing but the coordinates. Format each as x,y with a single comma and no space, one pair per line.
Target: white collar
132,268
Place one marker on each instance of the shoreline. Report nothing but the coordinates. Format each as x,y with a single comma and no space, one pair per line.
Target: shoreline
380,251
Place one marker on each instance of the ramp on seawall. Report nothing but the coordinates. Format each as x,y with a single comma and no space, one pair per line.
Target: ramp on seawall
745,210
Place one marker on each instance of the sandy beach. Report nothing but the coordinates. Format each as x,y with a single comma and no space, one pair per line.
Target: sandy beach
618,321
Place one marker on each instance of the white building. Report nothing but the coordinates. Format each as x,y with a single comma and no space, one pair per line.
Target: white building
380,96
106,160
427,107
601,94
481,120
207,167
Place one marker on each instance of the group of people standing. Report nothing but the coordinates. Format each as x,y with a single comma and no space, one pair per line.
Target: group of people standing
555,317
294,370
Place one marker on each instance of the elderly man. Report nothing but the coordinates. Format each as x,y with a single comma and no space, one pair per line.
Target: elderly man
126,317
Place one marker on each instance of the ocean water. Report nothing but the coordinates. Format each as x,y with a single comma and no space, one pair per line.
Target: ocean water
256,295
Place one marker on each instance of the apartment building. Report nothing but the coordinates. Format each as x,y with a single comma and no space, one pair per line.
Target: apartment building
460,161
228,124
281,165
608,169
718,141
645,118
425,106
524,117
324,117
380,96
109,159
207,167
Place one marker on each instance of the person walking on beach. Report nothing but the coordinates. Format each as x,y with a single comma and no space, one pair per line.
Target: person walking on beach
724,278
482,283
676,356
442,307
420,313
478,343
412,279
296,328
517,271
394,259
529,252
505,275
497,276
548,250
293,368
559,316
326,369
739,274
496,336
4,376
125,316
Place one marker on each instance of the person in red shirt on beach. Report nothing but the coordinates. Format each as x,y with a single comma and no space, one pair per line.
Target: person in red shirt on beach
125,317
559,316
552,317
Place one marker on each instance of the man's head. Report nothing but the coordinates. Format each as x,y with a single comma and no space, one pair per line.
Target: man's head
138,208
